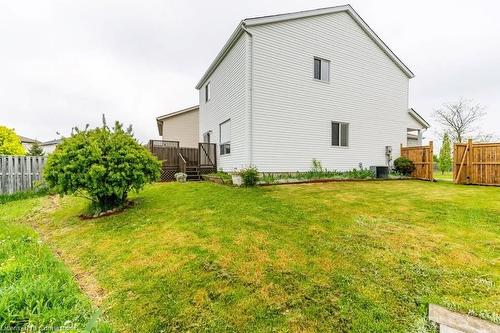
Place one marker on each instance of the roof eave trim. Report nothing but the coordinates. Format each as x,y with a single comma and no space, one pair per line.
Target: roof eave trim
176,113
293,16
324,11
222,54
419,118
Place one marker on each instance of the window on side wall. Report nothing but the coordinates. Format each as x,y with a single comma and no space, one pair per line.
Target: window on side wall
225,137
321,69
207,92
340,134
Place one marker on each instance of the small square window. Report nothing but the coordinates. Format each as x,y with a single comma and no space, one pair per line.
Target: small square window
340,134
321,69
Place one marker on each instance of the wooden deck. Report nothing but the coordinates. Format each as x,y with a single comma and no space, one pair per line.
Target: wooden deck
192,161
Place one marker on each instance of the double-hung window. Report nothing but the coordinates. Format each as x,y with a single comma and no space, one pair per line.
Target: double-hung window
225,137
321,69
340,134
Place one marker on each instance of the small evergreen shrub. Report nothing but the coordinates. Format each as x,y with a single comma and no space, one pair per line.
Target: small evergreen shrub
103,165
404,166
249,175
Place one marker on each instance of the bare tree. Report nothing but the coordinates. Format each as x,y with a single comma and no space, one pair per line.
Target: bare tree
486,137
459,118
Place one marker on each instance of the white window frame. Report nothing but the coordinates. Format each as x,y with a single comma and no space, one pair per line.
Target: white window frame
323,62
208,92
340,123
223,145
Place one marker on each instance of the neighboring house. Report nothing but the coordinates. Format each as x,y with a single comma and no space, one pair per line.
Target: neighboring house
27,142
314,84
180,126
416,128
49,146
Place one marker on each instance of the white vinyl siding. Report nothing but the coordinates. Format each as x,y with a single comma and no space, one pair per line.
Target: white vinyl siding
292,113
228,100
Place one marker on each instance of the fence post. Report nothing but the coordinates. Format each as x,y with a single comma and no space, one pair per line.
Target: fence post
469,160
431,160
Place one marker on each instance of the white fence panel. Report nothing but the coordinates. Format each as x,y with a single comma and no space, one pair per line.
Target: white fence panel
20,173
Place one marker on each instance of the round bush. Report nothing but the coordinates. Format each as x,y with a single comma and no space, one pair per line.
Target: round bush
404,166
102,165
250,176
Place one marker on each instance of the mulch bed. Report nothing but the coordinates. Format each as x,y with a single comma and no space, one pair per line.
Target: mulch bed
110,212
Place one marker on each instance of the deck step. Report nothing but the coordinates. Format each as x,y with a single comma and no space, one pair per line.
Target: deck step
193,173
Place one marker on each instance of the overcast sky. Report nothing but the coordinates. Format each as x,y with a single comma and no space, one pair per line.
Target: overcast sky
64,63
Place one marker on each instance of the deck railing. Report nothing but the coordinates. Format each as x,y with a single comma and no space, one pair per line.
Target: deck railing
176,159
208,154
182,164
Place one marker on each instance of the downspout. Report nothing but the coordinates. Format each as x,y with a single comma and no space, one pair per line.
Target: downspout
250,94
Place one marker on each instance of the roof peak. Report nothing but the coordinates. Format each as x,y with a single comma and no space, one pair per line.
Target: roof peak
249,22
175,113
298,14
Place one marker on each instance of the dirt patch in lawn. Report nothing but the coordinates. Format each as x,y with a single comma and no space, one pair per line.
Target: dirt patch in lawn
85,280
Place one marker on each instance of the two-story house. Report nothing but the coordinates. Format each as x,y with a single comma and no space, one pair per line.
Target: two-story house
319,84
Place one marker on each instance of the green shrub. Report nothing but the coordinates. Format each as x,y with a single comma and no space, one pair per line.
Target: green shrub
102,165
249,175
404,166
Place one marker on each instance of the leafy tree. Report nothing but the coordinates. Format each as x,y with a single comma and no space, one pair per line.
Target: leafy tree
102,165
460,118
36,150
10,144
445,155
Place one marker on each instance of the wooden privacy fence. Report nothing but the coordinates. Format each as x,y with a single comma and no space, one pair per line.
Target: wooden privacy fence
19,173
476,163
422,157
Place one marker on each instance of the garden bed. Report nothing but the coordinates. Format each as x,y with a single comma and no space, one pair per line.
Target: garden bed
313,176
285,181
219,178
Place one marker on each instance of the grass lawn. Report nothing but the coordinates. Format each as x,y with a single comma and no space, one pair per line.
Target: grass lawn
355,256
36,289
448,175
